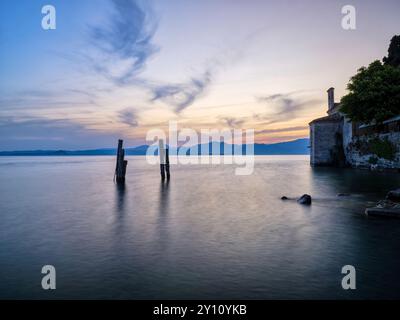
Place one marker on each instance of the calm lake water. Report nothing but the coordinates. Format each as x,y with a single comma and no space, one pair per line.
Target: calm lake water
206,234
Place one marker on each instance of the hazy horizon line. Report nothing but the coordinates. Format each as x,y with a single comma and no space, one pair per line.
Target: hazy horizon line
141,145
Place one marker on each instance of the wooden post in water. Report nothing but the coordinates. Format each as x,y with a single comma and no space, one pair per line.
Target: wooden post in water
120,169
161,153
167,162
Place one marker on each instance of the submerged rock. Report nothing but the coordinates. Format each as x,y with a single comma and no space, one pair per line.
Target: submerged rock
304,199
384,208
393,195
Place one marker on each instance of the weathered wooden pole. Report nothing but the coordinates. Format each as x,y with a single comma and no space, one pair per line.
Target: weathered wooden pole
167,163
120,169
161,153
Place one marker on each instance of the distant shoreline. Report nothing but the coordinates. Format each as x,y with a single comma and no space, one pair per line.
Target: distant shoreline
134,155
294,147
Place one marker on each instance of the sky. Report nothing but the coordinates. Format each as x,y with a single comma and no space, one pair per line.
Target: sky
119,68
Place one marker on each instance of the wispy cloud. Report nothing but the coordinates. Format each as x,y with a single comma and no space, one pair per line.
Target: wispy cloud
45,133
233,122
279,130
181,96
125,43
128,116
282,106
33,100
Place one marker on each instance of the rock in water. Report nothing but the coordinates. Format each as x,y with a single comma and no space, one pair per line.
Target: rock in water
393,195
385,208
304,199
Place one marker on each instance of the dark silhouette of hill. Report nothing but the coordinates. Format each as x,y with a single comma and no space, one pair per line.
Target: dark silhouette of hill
295,147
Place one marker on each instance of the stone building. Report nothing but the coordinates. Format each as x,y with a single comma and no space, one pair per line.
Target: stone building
326,136
335,141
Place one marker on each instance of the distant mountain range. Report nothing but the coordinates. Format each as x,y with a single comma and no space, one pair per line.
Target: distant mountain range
295,147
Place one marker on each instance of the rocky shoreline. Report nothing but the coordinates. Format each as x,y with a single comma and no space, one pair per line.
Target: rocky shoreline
390,207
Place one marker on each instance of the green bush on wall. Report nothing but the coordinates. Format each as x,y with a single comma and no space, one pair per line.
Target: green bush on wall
383,148
373,160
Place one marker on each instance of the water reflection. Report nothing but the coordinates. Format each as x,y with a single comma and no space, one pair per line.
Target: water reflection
120,199
207,234
354,182
163,213
120,208
164,198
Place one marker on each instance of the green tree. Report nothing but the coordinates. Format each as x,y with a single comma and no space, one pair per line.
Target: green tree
393,57
374,94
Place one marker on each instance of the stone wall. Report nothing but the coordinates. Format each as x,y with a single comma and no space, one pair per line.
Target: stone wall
347,136
358,152
324,142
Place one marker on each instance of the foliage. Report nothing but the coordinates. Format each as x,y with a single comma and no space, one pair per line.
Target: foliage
383,148
376,147
373,160
374,94
393,57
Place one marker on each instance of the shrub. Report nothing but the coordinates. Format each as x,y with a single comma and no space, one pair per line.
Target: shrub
373,160
383,148
374,94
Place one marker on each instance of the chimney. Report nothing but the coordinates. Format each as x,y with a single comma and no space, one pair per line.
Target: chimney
331,98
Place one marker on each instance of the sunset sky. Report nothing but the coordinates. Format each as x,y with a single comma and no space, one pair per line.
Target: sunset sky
115,69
